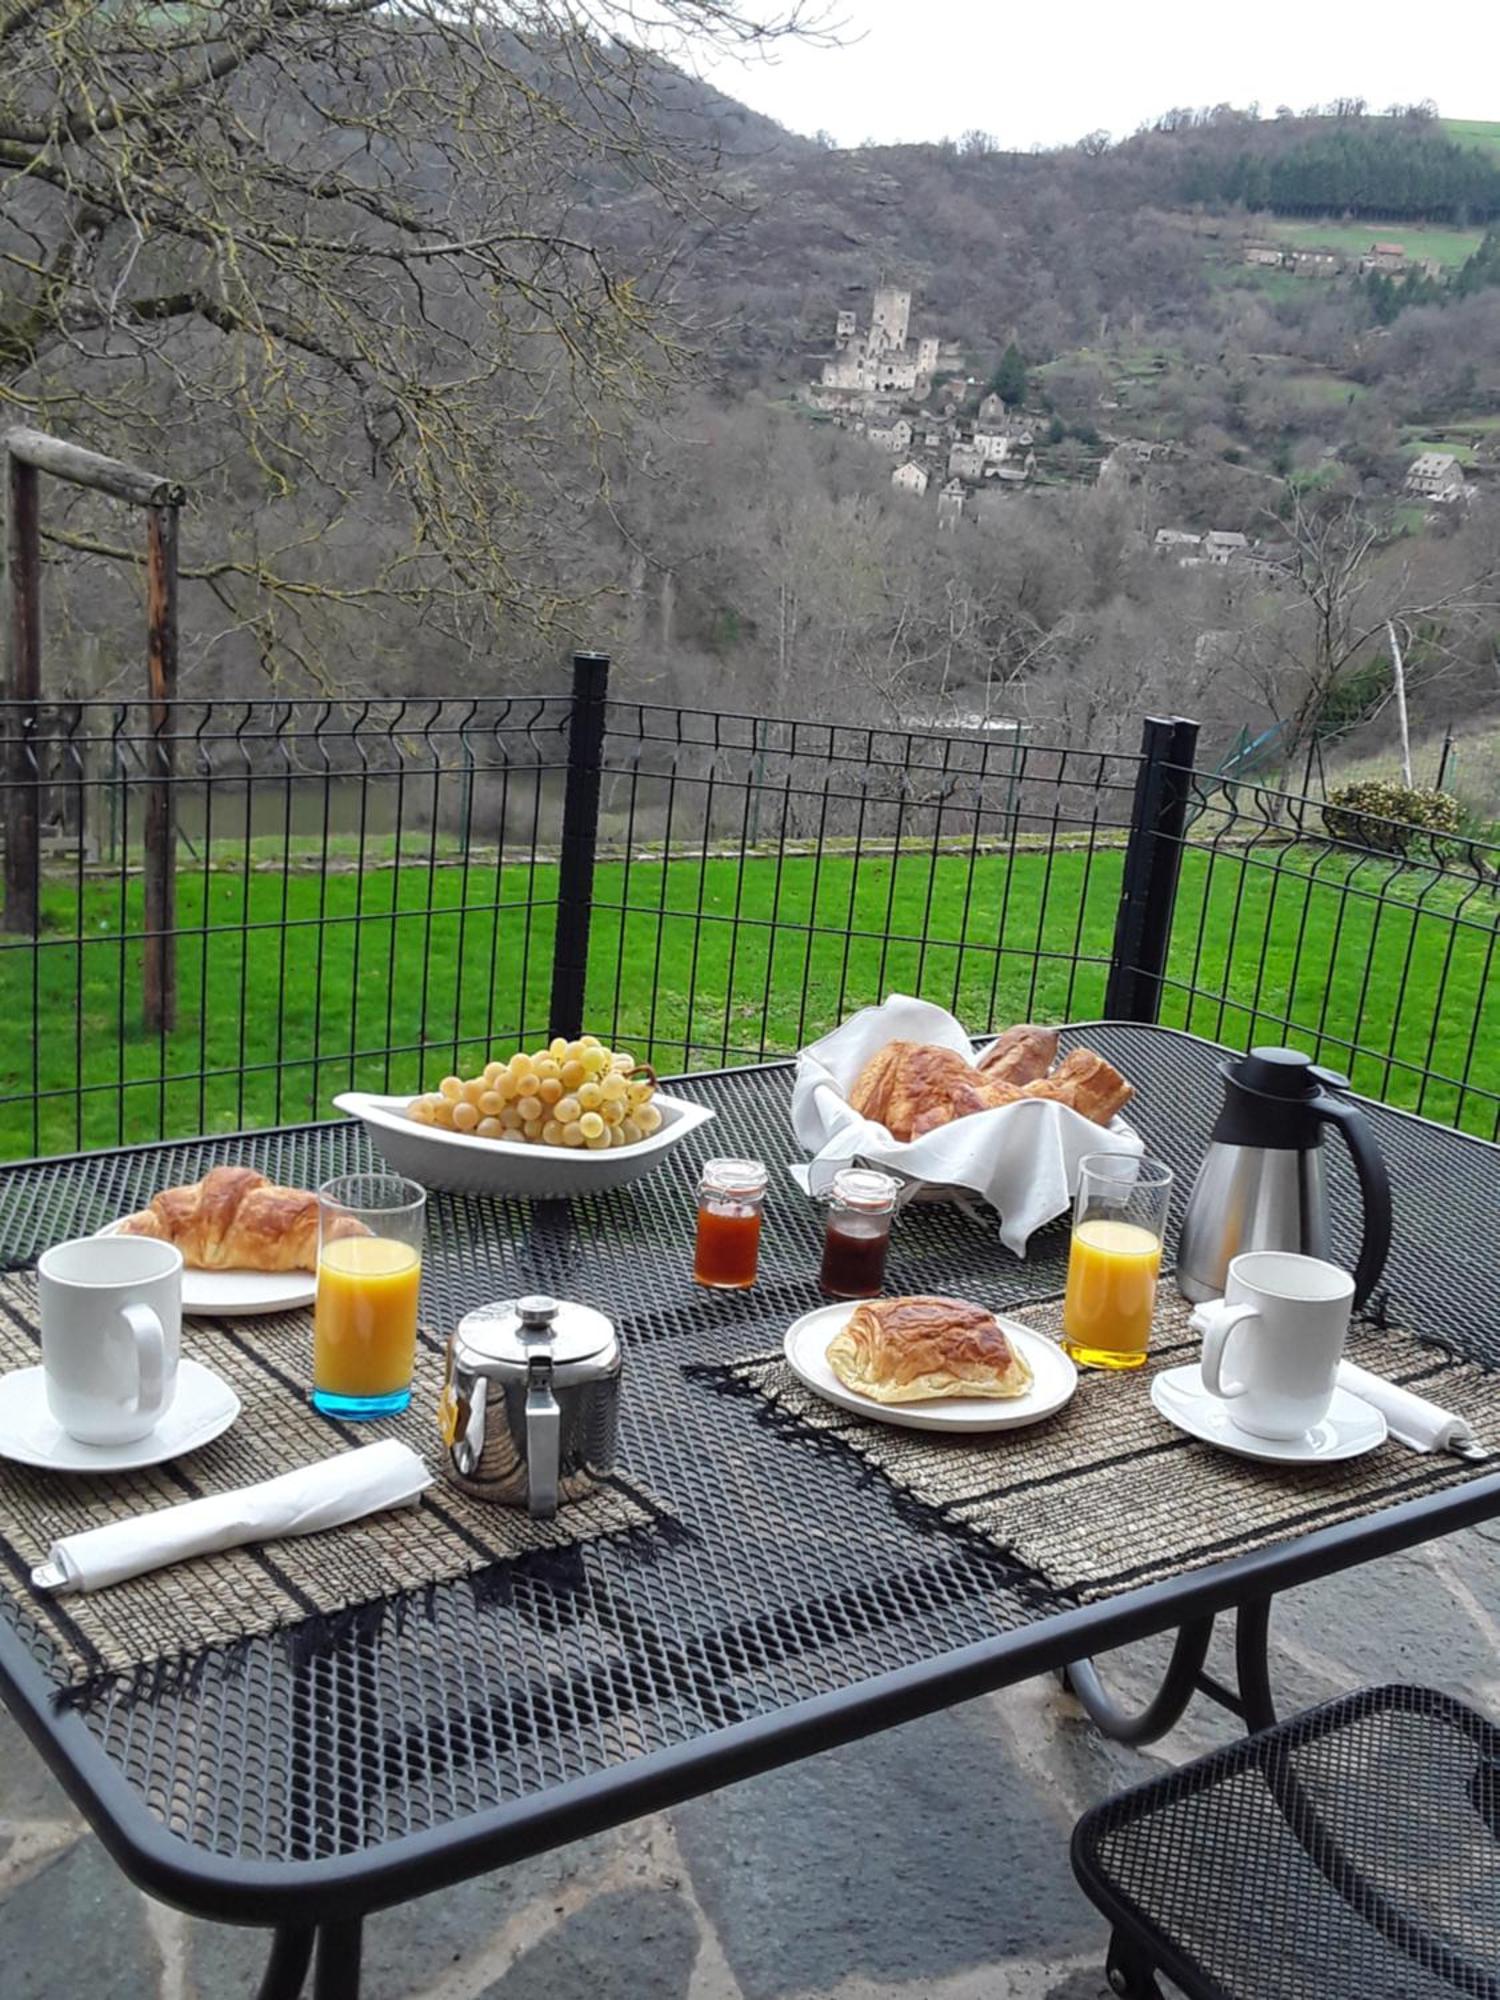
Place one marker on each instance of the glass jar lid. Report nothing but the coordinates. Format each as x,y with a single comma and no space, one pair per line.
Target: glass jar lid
742,1177
865,1188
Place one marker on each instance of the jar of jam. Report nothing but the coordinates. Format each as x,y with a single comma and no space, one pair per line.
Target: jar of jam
857,1235
730,1193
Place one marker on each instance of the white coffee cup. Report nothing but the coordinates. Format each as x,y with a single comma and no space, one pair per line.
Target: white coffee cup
1292,1316
111,1331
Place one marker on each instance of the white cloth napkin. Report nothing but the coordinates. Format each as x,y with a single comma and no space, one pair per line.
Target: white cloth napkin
1410,1418
1022,1158
324,1495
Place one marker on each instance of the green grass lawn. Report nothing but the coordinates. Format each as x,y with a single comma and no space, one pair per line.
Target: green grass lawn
1448,247
1317,391
1464,453
1481,132
294,986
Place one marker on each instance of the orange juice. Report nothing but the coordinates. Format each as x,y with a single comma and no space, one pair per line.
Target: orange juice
1112,1271
365,1321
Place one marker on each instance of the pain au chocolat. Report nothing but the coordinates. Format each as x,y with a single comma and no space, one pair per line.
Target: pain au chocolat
1022,1055
918,1350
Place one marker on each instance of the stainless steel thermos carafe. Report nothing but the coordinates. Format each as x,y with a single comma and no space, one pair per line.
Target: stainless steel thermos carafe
1262,1184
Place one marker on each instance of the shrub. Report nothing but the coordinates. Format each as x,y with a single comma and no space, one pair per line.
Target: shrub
1380,814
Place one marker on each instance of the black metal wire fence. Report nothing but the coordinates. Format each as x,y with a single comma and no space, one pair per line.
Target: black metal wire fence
370,894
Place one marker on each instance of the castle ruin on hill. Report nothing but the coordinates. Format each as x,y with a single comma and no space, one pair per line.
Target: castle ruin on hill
875,371
879,382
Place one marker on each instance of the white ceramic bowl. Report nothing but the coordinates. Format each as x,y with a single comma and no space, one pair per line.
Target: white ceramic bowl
466,1165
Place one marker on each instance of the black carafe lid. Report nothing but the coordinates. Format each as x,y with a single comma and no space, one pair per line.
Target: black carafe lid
1268,1096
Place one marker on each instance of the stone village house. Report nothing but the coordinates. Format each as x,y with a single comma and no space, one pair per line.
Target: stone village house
1437,476
951,504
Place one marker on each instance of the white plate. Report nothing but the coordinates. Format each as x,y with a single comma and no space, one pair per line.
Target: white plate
240,1294
1351,1427
1054,1378
204,1406
466,1165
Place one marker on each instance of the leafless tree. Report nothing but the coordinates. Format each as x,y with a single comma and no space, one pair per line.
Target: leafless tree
382,282
1340,589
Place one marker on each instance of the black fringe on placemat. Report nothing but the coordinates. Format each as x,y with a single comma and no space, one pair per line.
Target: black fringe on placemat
561,1570
842,1441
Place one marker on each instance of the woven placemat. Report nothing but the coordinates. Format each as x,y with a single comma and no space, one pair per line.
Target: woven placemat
304,1585
1107,1494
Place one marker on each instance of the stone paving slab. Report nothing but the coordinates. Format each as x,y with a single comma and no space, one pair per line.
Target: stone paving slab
926,1864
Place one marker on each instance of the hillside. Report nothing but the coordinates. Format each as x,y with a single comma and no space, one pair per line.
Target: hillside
444,505
1046,247
1257,339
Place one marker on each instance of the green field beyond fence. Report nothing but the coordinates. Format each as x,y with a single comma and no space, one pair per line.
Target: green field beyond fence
296,986
1481,132
1420,240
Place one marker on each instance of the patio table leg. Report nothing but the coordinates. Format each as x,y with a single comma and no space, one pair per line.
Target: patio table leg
1167,1705
286,1968
1251,1698
1252,1664
336,1974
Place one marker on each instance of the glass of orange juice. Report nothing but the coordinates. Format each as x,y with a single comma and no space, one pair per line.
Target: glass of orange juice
369,1274
1119,1224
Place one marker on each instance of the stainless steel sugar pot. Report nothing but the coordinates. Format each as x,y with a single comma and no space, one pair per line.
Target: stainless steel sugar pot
531,1402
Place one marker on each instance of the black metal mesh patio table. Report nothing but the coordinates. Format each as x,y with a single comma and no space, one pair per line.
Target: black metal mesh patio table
790,1602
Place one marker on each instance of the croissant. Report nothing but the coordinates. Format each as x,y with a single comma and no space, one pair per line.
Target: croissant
913,1087
1020,1056
234,1219
917,1350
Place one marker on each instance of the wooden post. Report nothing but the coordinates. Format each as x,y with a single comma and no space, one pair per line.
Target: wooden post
161,811
28,453
21,779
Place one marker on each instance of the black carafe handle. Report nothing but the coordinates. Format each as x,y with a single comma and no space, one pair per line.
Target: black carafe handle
1374,1188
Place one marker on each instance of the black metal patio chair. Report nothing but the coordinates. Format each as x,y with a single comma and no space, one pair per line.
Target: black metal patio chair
1351,1853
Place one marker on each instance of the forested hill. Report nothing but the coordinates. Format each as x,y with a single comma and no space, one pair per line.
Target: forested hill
1061,247
1378,168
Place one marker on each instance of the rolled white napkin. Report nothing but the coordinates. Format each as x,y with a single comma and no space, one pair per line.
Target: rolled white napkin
1410,1418
1022,1158
325,1495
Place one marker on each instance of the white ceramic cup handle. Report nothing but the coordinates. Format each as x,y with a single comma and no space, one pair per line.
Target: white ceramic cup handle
150,1356
1216,1321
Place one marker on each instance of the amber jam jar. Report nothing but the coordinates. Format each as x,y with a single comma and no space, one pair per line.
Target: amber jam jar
857,1234
730,1193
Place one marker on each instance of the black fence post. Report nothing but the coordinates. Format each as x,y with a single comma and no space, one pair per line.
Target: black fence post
1153,859
580,838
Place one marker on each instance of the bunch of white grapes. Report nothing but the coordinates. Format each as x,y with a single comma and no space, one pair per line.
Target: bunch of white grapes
567,1094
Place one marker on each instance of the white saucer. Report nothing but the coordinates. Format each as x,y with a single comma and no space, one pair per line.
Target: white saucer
239,1294
1351,1427
204,1406
1054,1378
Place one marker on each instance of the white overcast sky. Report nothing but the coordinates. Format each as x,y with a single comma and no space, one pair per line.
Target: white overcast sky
1043,72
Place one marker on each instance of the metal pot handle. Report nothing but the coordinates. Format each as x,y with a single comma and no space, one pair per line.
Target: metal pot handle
1374,1188
543,1438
